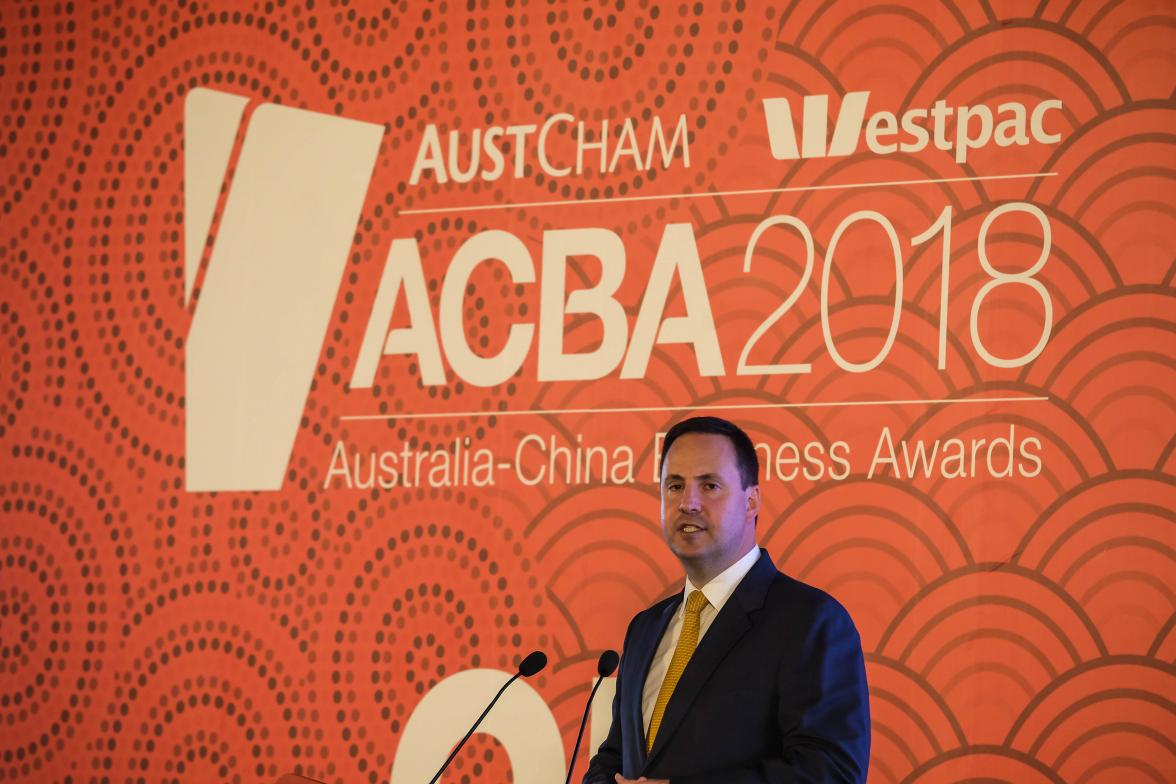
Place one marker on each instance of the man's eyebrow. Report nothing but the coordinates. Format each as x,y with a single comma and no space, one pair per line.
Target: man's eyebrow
705,476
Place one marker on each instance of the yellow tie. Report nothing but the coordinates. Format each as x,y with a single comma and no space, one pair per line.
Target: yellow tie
687,642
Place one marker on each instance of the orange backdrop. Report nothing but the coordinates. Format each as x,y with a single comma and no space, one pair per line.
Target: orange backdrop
979,467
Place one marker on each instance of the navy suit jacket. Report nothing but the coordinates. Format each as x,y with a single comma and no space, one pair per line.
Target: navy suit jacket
775,692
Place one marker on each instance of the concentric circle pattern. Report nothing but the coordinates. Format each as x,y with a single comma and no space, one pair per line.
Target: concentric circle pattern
1015,599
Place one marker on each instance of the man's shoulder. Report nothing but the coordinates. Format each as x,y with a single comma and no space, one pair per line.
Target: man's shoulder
788,594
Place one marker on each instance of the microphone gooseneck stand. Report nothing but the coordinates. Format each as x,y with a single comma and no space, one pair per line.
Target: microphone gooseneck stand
535,661
605,666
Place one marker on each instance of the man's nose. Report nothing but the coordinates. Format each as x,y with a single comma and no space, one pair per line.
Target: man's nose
690,499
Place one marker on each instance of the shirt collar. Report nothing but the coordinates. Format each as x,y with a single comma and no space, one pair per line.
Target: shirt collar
722,585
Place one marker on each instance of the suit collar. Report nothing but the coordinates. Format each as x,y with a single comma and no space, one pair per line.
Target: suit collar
729,626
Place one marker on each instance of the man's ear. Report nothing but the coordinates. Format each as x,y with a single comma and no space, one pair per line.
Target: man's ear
753,502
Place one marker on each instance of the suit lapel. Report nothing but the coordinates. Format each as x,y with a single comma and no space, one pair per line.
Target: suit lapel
647,645
729,626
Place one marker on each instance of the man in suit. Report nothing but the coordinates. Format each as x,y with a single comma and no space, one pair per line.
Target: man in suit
746,675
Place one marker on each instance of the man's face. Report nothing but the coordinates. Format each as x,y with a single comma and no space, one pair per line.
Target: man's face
708,518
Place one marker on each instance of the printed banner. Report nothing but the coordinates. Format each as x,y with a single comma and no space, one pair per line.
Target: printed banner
338,340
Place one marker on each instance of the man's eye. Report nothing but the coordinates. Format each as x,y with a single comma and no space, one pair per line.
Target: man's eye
711,486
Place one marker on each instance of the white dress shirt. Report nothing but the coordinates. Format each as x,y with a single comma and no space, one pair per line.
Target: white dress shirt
717,592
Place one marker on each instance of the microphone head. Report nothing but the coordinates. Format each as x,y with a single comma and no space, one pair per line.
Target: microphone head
535,661
606,665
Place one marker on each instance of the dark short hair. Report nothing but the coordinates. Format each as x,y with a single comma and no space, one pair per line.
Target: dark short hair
745,455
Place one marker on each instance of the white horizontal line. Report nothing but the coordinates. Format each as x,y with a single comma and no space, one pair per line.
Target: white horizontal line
714,194
674,409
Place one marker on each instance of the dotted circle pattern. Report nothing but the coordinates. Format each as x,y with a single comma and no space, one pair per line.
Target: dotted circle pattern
152,634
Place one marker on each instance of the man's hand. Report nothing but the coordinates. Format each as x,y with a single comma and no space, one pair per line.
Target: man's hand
622,780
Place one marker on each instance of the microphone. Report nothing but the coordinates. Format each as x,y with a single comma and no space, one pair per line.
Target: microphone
606,665
531,664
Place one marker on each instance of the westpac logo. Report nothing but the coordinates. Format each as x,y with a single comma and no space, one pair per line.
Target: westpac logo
1012,123
269,282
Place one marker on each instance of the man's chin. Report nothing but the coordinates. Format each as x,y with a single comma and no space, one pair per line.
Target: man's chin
689,549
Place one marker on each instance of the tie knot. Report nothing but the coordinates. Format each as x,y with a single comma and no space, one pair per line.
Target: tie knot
695,602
